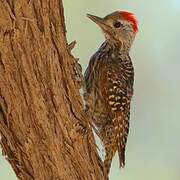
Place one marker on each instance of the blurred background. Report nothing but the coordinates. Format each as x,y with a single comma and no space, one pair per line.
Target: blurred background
153,151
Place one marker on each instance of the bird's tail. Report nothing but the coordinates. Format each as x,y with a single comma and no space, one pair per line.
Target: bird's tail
122,128
121,154
110,152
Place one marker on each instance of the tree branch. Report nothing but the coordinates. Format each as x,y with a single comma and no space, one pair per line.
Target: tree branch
42,121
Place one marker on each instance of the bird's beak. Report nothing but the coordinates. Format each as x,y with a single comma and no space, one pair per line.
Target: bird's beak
99,21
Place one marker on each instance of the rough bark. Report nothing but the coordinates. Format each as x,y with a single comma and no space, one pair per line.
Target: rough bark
45,133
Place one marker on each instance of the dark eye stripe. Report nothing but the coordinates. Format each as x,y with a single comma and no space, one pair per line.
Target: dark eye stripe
117,24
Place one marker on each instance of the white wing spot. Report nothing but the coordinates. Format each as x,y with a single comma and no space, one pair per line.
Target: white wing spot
114,109
111,102
115,82
126,118
121,108
117,98
111,96
116,104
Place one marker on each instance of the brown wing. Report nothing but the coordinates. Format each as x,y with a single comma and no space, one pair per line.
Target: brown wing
117,90
89,83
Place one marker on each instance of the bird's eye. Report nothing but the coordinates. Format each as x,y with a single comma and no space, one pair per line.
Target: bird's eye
117,24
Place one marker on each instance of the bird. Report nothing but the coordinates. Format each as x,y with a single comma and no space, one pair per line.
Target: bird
108,83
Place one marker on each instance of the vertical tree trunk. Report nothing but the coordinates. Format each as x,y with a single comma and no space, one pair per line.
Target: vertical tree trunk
42,121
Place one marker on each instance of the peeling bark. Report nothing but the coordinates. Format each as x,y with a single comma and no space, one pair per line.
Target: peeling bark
42,121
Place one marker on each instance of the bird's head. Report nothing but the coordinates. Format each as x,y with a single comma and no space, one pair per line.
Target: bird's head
119,27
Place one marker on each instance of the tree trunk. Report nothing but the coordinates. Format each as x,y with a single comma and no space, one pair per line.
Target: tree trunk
45,134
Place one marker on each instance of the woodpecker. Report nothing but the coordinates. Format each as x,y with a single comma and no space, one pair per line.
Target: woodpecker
109,81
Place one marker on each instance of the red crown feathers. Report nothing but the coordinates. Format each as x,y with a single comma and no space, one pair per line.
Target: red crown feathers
130,17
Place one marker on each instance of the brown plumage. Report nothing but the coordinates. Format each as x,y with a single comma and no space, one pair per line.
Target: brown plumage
109,83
